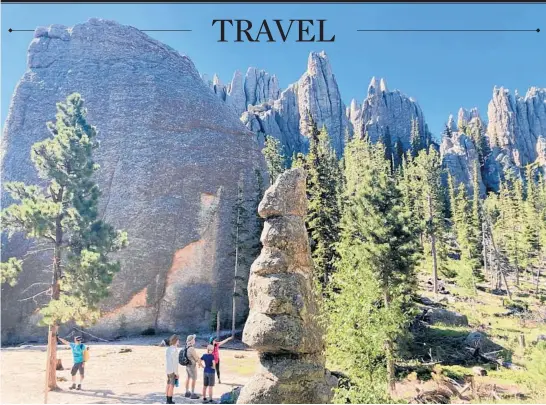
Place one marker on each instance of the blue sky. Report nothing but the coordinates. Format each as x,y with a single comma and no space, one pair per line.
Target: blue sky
442,71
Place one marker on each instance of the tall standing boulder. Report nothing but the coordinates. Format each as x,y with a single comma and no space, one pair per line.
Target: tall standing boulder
171,154
282,324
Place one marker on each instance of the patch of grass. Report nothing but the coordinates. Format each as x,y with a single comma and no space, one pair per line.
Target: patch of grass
457,373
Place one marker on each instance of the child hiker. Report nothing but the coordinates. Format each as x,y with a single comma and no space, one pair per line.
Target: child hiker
216,353
208,373
171,367
77,354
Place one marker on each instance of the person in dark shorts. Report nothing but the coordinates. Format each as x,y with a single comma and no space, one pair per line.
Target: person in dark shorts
208,374
171,367
77,353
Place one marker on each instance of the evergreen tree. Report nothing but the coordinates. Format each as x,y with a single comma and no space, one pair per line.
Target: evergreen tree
246,231
398,153
64,215
475,241
447,132
274,158
386,140
477,134
323,215
421,185
461,215
369,307
239,235
416,141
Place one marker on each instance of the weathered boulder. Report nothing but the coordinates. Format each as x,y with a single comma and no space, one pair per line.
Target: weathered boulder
282,323
445,317
171,155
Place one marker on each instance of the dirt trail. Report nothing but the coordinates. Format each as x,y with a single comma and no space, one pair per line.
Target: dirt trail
112,377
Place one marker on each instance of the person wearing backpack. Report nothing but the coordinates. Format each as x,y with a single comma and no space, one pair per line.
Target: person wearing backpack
191,360
171,367
80,354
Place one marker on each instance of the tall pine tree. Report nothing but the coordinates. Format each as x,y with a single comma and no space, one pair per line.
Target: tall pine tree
274,158
323,187
64,216
368,308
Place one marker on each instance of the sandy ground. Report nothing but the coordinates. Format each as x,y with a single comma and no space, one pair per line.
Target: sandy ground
112,377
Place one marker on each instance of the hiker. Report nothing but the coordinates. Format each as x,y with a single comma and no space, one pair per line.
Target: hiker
78,349
216,353
208,373
191,368
171,367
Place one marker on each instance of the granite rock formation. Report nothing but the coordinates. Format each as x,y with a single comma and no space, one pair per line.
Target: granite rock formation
282,323
516,133
460,158
286,116
168,173
257,87
517,123
459,153
382,109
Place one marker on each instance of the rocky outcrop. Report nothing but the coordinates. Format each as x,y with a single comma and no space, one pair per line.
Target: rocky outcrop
260,87
282,323
459,153
460,159
318,94
168,174
516,123
257,87
383,110
286,117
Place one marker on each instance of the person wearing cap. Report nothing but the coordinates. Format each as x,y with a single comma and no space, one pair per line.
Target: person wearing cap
77,354
216,353
171,366
191,369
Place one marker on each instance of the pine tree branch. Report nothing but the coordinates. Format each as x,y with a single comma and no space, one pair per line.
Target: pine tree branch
32,285
36,295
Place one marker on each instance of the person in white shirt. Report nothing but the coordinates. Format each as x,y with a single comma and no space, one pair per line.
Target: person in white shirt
171,367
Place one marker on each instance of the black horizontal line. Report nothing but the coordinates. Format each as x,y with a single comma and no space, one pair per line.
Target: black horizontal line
535,30
12,30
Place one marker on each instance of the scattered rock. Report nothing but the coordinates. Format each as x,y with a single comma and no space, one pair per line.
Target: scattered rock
61,379
446,317
283,305
479,371
428,301
125,350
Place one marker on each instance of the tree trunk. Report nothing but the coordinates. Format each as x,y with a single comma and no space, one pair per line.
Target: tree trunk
51,362
218,325
433,246
484,250
538,280
233,306
391,386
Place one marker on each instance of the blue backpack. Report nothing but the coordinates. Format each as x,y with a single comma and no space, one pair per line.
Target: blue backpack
230,397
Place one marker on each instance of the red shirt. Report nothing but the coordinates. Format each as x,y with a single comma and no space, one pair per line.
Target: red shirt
216,353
